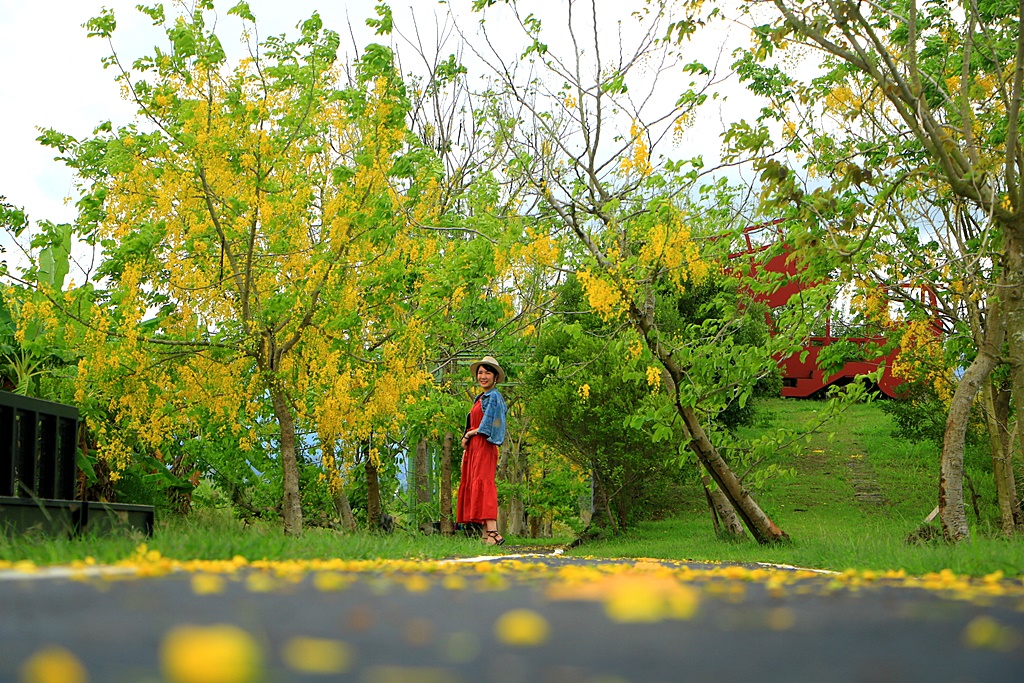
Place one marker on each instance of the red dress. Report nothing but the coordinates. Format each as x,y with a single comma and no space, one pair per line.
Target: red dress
478,495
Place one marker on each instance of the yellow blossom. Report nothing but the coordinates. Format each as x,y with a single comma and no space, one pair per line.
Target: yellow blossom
210,654
53,665
522,628
317,655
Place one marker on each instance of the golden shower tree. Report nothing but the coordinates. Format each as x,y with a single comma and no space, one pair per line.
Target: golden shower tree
258,256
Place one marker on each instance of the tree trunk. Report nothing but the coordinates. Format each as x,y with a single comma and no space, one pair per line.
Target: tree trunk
757,522
372,494
722,511
1014,298
180,501
602,504
291,501
422,486
447,519
501,474
344,510
760,525
951,468
622,510
510,469
536,527
997,413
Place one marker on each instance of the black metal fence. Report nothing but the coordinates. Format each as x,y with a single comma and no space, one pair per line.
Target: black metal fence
38,473
37,448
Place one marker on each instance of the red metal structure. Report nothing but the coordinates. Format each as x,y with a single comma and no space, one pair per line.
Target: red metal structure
801,376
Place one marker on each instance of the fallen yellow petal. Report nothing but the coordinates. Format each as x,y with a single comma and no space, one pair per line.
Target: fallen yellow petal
317,655
635,601
522,628
331,581
207,584
210,654
53,665
781,619
984,632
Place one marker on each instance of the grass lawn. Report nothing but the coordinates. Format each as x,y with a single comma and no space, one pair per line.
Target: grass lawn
828,526
818,507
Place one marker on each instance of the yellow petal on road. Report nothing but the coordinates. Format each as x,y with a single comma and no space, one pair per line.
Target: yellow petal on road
454,582
317,655
210,654
417,583
985,633
781,619
53,665
635,601
207,584
260,582
522,628
683,602
331,581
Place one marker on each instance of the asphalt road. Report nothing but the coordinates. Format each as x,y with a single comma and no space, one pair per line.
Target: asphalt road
507,620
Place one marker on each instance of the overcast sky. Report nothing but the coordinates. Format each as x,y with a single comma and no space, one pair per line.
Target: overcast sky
53,77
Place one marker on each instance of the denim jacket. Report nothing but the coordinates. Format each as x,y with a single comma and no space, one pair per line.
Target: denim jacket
493,423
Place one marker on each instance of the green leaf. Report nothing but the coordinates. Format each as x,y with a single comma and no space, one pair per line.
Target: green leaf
55,259
383,25
242,10
85,464
183,40
102,26
154,12
616,85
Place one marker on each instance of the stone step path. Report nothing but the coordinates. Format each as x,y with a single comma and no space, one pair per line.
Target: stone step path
865,486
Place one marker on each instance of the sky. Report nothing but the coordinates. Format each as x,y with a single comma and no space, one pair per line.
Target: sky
53,76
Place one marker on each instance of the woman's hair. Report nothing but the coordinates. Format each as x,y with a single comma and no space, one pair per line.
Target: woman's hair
490,368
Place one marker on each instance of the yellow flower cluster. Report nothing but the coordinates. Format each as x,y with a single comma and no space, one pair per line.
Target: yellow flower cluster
603,296
653,377
670,245
639,159
872,303
541,252
636,349
921,356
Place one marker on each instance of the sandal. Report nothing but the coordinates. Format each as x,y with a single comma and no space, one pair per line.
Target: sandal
494,538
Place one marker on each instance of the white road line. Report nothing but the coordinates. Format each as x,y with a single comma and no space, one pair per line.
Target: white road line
798,569
64,573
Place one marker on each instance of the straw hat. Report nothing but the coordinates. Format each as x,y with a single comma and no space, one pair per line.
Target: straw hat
493,363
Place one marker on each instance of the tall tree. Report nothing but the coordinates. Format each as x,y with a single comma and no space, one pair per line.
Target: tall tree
257,259
587,120
944,80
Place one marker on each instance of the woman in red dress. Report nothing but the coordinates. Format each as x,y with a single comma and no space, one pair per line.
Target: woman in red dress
485,431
